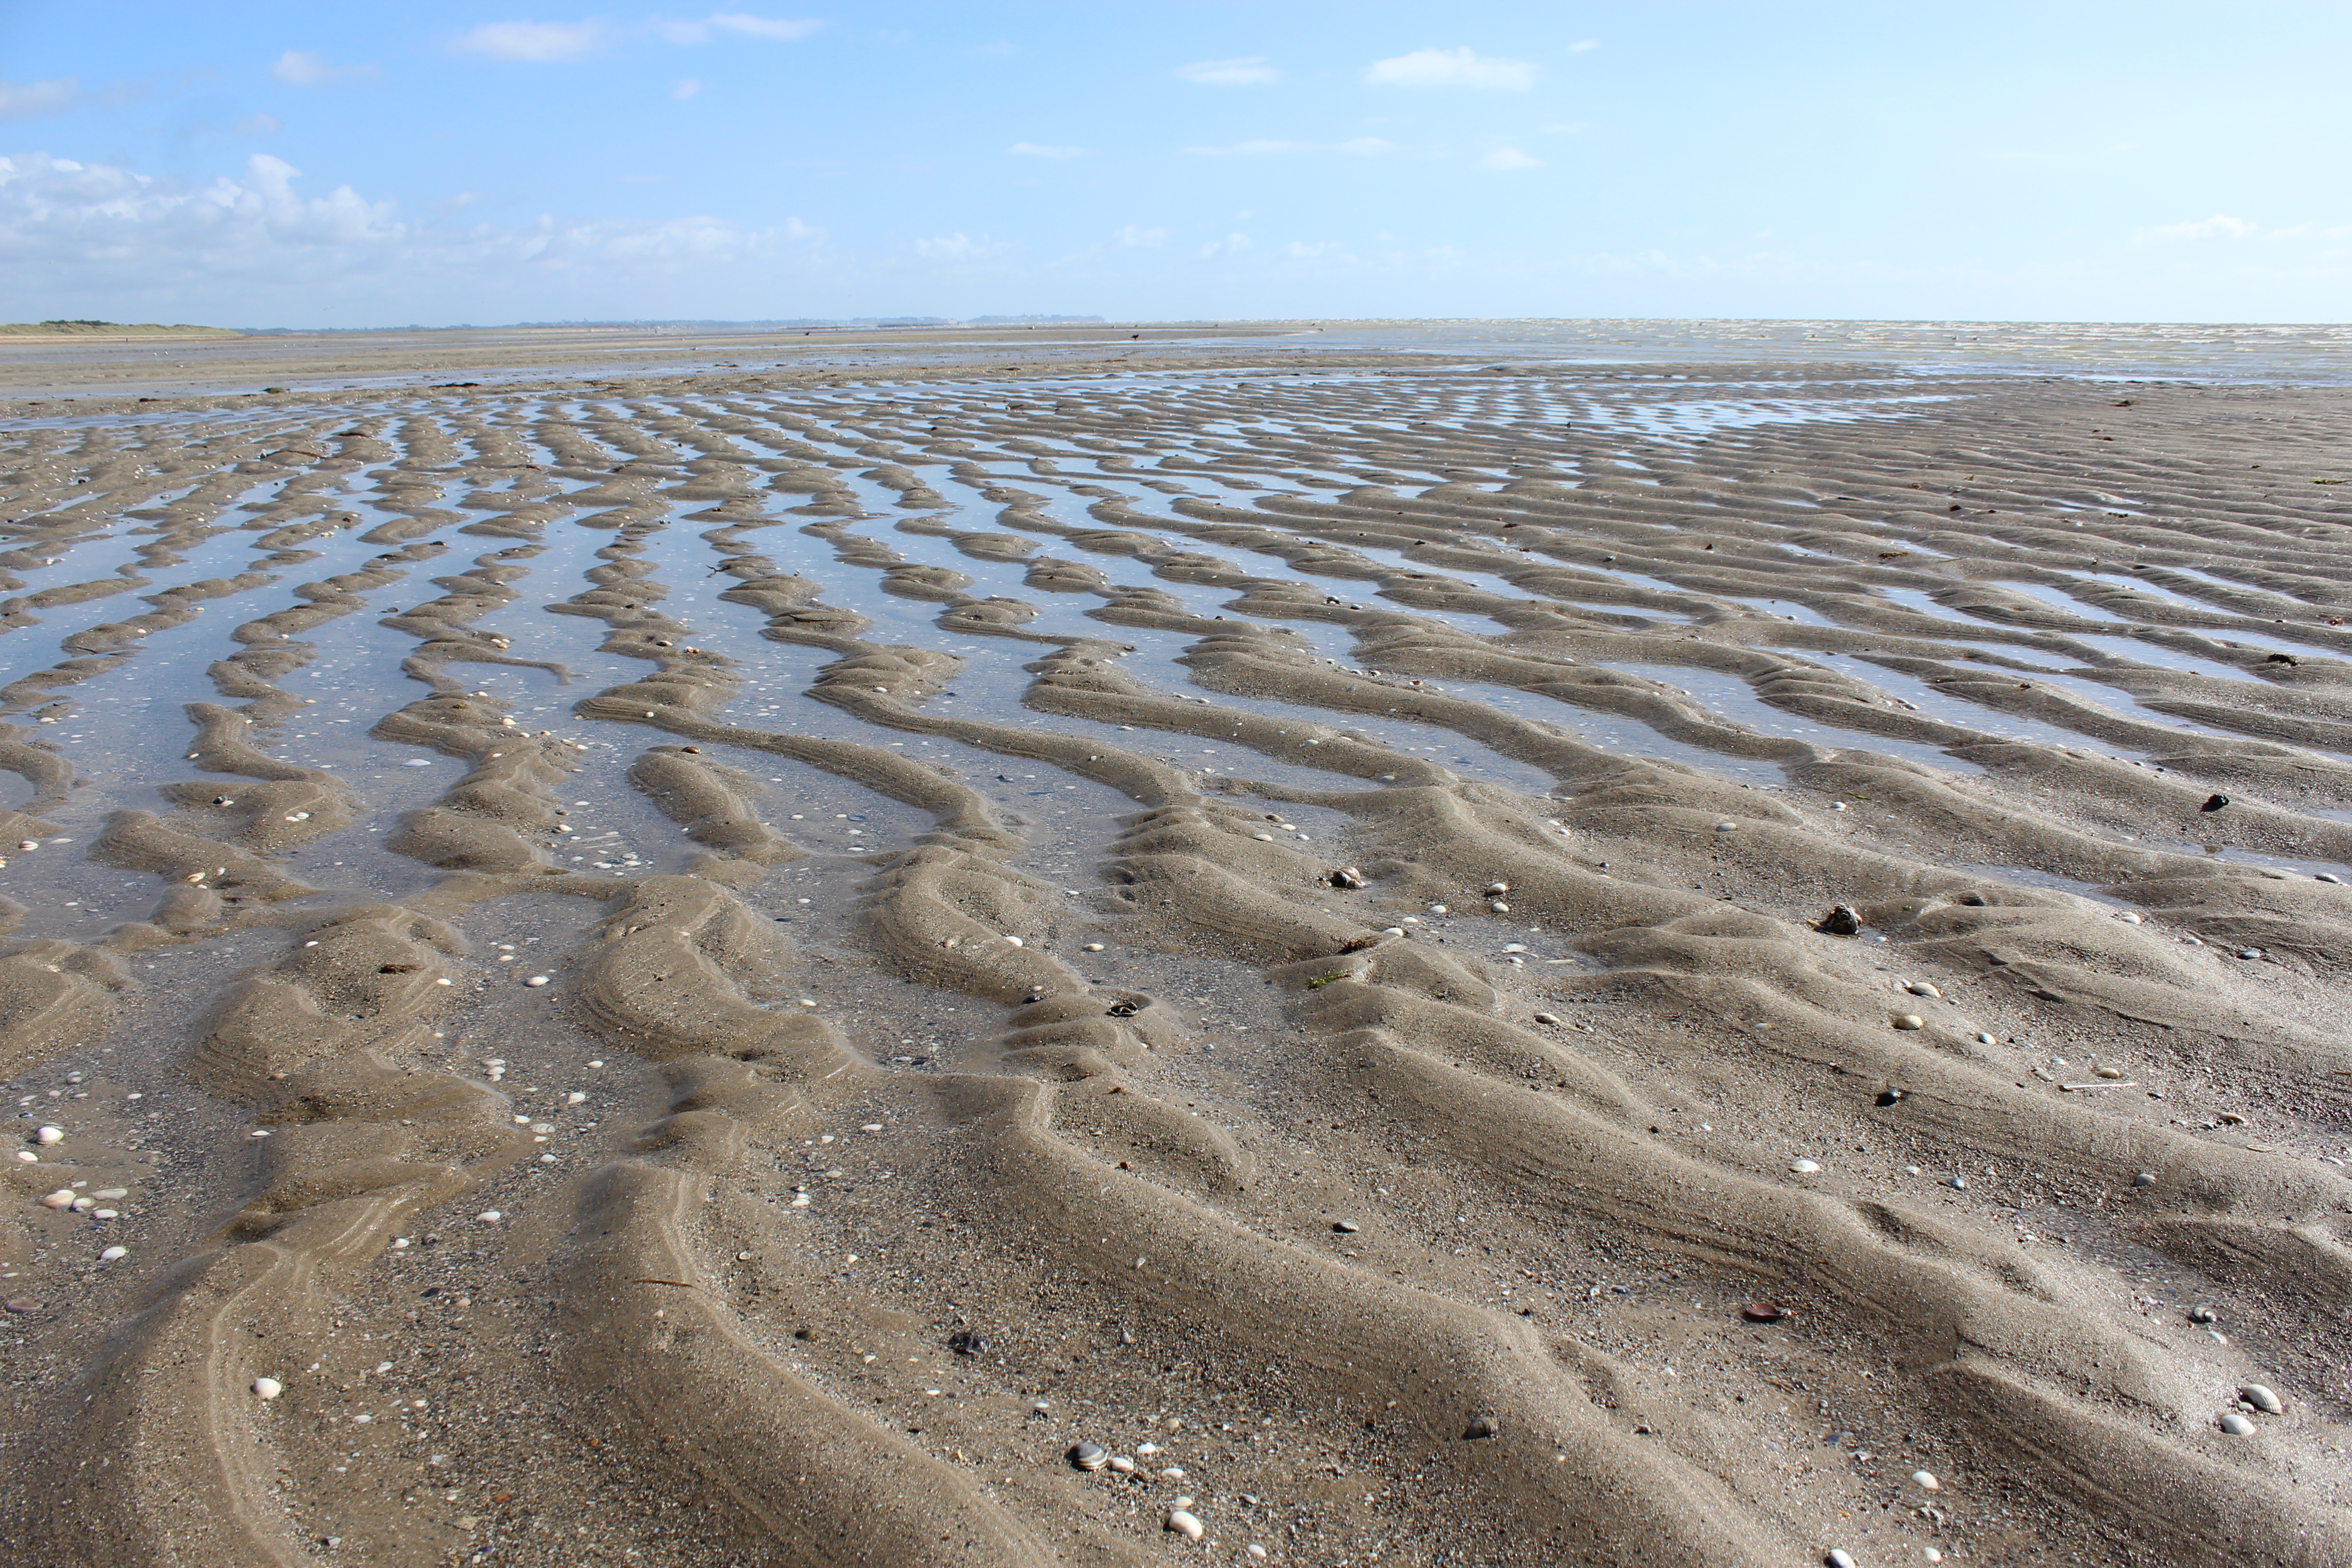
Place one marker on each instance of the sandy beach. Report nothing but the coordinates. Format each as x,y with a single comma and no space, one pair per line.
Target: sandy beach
1106,944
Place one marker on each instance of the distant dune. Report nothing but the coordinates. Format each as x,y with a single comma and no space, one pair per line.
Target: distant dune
110,330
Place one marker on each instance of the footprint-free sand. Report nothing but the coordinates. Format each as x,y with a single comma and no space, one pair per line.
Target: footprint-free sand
928,953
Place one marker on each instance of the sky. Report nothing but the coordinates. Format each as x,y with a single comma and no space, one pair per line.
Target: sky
437,161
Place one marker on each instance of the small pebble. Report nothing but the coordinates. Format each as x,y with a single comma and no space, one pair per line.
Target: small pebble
2237,1425
1726,827
535,981
1985,1039
2250,953
1959,1184
1807,1167
2263,1399
268,1387
1185,1524
1910,1021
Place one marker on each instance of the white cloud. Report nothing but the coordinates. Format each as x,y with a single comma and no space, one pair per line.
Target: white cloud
956,247
1137,235
240,248
1361,146
540,43
458,203
258,125
1249,70
308,67
54,96
1510,158
775,28
1232,245
1039,149
1451,67
2218,226
686,87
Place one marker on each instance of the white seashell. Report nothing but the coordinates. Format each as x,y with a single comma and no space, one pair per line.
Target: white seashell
111,1253
1497,889
1093,947
51,1135
1263,838
489,1216
1015,941
2129,917
535,982
1184,1523
27,1157
1146,1450
1120,1465
83,1205
1437,909
1806,1167
2263,1399
105,1214
1925,1482
268,1387
575,1098
1837,1557
2237,1425
61,1199
1910,1021
1921,988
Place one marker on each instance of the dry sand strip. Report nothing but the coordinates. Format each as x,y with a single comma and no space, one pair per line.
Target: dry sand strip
1057,960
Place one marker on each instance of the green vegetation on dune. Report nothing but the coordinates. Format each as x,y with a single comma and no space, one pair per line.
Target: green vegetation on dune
85,328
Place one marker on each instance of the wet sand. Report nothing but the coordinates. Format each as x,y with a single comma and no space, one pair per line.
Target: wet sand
722,968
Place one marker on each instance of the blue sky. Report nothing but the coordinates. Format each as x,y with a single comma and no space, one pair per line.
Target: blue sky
340,165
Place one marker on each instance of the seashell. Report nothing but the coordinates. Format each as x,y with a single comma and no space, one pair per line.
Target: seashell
1763,1312
2263,1399
535,981
1807,1167
1481,1427
1553,1019
1921,988
1495,889
1093,947
51,1135
1185,1524
1090,1456
267,1388
2237,1425
62,1198
1120,1465
1925,1482
1499,906
1910,1021
111,1253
